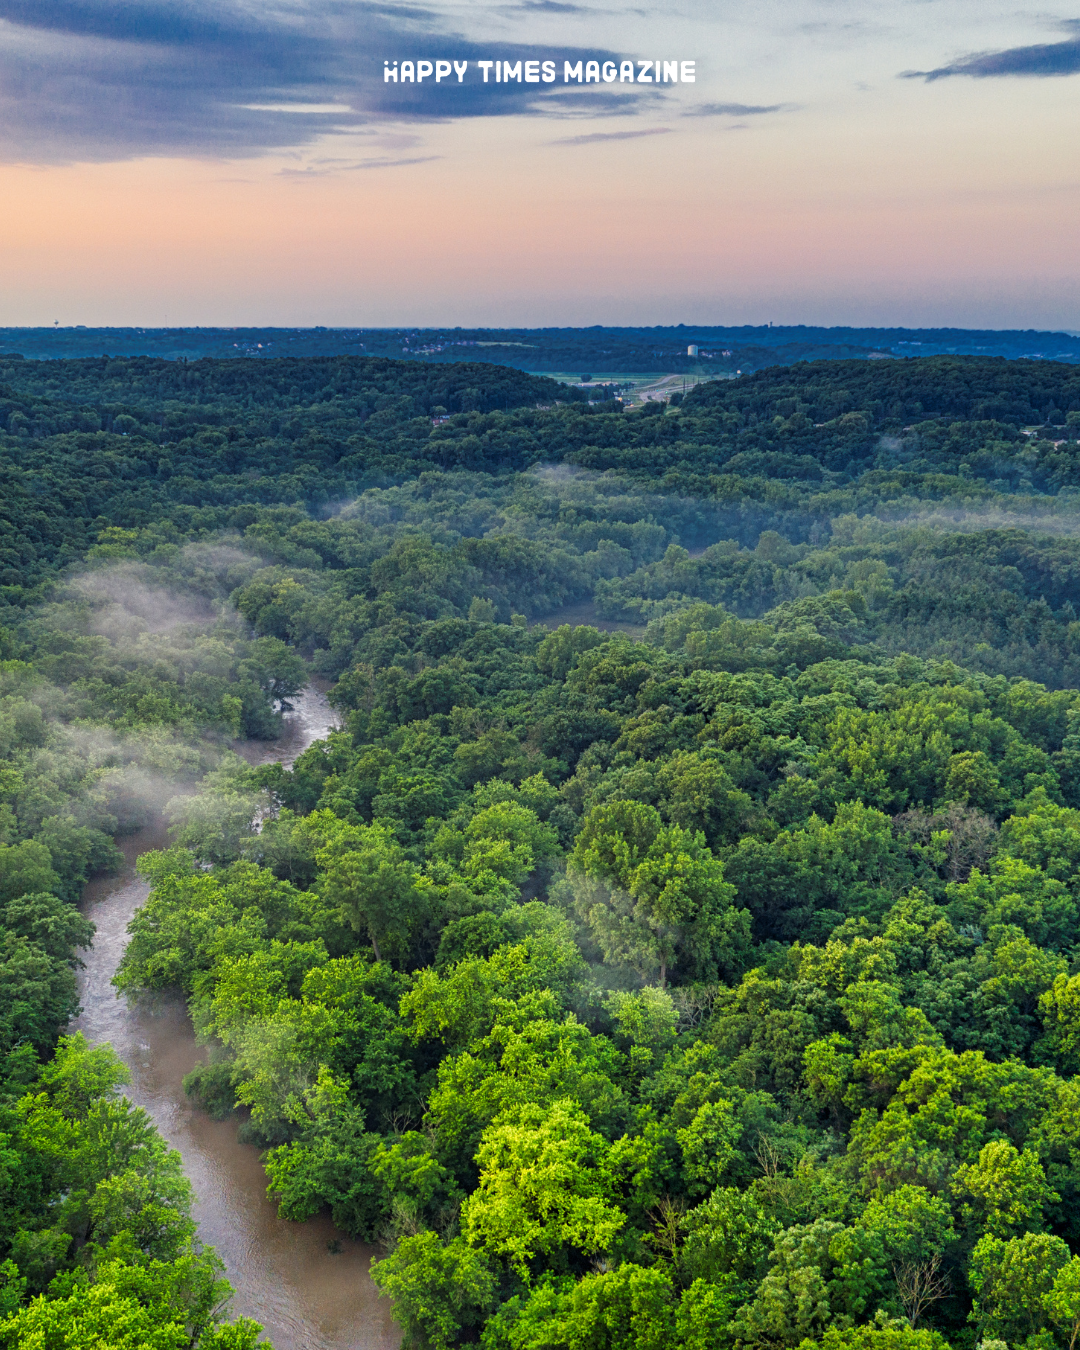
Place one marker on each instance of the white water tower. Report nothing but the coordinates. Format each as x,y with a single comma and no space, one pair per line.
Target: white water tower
691,350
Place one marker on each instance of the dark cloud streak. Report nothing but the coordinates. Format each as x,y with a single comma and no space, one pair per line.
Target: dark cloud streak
1043,60
552,7
736,109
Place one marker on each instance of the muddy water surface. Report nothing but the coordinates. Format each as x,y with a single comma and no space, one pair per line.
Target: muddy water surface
306,1283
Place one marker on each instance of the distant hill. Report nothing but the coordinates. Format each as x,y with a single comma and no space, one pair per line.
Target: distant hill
895,392
594,350
365,384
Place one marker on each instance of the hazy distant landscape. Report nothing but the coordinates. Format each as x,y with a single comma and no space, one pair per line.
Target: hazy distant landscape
580,350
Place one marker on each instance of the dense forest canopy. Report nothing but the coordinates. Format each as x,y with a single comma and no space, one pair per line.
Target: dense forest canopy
678,941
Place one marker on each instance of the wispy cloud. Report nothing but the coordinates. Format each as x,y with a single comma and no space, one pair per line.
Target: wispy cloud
737,109
115,79
591,138
338,109
326,170
599,101
1045,59
551,7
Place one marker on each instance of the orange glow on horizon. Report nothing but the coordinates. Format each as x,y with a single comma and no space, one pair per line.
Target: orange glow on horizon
829,219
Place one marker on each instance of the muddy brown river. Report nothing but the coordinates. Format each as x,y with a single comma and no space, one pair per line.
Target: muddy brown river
306,1283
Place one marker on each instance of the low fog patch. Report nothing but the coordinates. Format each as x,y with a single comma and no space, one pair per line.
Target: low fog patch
128,599
1052,520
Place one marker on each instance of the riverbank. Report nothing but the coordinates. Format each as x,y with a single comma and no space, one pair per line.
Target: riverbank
306,1283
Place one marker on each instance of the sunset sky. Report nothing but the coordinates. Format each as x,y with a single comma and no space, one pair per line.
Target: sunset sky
243,162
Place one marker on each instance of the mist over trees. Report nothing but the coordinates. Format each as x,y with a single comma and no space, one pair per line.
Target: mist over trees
678,941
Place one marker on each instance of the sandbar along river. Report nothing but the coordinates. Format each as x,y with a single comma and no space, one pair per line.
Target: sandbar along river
306,1283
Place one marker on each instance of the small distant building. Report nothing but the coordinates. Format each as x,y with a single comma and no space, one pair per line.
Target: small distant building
691,350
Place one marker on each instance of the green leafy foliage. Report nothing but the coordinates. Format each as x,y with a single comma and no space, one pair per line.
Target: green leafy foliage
698,966
97,1231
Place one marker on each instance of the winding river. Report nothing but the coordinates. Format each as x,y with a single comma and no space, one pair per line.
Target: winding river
306,1283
